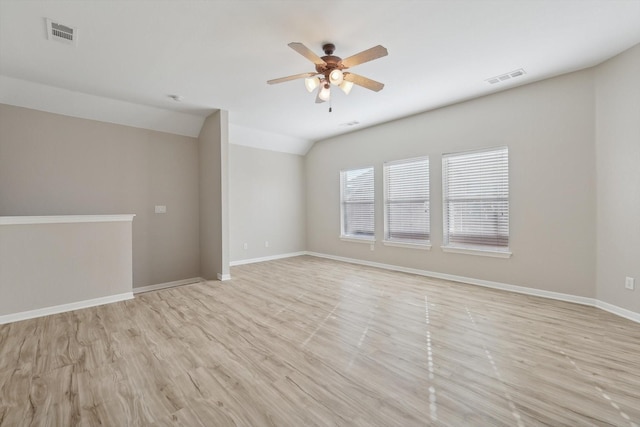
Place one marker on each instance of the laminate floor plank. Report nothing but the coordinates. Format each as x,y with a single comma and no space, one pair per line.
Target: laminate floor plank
307,341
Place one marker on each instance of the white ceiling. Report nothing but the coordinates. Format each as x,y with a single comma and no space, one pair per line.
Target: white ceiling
219,55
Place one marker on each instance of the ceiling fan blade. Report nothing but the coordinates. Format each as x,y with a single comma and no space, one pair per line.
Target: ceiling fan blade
364,82
307,53
365,56
286,79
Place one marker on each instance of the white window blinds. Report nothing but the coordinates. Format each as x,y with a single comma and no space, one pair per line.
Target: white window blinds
406,201
476,199
357,203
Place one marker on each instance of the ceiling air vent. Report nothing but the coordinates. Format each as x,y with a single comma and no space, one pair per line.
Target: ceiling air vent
62,33
505,77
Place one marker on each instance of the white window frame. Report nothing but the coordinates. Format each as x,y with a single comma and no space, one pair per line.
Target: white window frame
469,248
356,238
400,242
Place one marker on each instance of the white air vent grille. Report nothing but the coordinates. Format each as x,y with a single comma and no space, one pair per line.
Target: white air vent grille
60,32
505,77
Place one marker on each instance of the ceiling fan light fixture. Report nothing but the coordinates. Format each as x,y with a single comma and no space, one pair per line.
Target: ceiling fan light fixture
311,83
346,86
325,92
336,77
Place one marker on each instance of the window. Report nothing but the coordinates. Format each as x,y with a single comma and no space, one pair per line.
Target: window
476,201
406,201
357,203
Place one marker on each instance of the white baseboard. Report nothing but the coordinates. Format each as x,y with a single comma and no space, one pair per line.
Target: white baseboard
592,302
619,311
31,314
266,258
167,285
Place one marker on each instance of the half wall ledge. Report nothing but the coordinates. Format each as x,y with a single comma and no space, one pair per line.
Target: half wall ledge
52,263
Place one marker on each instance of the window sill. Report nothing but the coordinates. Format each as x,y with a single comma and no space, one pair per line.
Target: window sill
474,251
352,239
422,246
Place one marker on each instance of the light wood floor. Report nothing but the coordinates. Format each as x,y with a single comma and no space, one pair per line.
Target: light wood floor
307,341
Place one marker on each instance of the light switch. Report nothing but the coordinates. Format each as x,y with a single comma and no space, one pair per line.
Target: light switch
161,209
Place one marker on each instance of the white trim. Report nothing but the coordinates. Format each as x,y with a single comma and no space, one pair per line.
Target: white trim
480,252
266,258
366,240
592,302
31,314
618,311
166,285
468,280
423,246
63,219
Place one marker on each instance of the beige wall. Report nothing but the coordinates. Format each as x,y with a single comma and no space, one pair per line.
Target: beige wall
58,165
548,127
266,203
618,182
213,143
52,264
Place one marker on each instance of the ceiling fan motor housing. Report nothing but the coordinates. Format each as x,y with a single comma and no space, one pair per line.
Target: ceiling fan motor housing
331,61
328,48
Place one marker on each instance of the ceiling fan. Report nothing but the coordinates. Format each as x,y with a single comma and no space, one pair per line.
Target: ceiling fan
330,70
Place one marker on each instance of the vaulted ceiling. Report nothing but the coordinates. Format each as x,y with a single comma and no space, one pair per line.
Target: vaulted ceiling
219,55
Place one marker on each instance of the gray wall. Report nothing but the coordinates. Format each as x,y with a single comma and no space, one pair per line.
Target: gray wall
96,263
266,203
213,145
549,129
58,165
618,182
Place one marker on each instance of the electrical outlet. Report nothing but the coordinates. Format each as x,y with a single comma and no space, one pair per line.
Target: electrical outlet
630,283
266,243
372,247
245,246
160,209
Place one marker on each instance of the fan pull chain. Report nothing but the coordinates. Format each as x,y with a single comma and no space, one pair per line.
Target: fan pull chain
330,109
